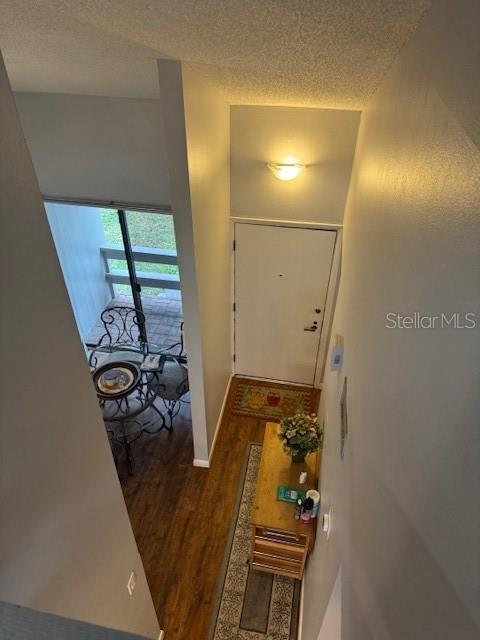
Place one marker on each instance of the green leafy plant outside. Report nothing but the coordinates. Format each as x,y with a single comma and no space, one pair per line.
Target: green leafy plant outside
300,435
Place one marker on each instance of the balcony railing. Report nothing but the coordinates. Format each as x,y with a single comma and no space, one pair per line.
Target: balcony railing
141,254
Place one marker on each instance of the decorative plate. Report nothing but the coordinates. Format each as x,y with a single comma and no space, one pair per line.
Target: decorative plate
115,379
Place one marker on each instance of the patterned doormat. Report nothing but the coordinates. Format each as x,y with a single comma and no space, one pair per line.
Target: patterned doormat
251,605
257,399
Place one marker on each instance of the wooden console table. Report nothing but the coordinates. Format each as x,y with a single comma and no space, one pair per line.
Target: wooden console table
280,544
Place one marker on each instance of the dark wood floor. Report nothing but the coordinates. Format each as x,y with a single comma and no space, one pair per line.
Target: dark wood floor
181,516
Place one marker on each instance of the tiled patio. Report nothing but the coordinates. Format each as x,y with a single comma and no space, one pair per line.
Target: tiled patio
163,318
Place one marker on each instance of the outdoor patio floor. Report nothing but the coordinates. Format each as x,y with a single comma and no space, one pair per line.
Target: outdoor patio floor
163,319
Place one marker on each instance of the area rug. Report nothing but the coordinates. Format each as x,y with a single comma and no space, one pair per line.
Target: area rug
271,402
251,605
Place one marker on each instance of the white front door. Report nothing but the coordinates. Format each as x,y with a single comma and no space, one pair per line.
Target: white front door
281,282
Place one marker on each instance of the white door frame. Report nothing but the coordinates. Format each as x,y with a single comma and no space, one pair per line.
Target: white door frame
331,290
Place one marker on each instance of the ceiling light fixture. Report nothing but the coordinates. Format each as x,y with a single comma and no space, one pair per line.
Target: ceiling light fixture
286,171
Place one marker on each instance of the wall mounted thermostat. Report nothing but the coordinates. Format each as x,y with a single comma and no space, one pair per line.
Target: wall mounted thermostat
337,359
337,354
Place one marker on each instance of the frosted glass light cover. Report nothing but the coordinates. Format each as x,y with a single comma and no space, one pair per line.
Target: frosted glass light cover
286,171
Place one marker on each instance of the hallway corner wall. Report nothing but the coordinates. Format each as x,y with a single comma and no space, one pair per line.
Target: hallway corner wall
405,515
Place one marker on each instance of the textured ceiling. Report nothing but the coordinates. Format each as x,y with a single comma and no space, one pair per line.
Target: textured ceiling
326,53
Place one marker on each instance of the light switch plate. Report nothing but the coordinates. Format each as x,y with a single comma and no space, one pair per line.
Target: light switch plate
132,581
327,523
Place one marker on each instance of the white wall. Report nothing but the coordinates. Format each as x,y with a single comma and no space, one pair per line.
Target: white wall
96,148
331,628
197,136
66,543
323,139
406,515
78,235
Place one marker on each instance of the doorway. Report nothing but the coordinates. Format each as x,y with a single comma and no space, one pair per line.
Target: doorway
119,257
281,278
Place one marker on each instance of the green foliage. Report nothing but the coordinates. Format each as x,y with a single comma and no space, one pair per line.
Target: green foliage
146,230
300,434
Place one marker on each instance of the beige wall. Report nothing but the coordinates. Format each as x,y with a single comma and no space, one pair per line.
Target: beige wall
207,120
406,517
172,115
323,139
65,538
96,148
196,122
331,628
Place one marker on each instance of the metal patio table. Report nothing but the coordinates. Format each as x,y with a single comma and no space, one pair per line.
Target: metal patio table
166,378
124,410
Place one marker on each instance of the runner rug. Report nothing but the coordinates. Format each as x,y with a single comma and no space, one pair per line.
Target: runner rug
251,605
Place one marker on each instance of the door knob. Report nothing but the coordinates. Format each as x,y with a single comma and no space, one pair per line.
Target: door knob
312,327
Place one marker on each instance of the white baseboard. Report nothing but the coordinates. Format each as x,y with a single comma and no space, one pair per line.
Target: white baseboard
198,462
201,463
220,418
300,612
